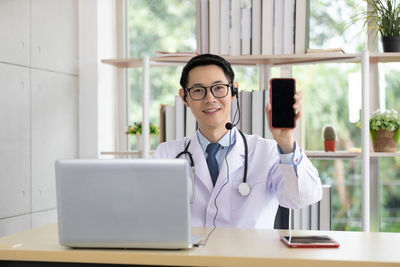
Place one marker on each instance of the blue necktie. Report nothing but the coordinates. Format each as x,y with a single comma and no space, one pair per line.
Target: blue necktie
212,163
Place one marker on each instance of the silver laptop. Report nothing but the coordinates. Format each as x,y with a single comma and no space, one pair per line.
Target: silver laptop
124,203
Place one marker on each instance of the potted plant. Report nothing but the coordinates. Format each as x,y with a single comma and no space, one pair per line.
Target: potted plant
136,130
329,135
384,129
384,17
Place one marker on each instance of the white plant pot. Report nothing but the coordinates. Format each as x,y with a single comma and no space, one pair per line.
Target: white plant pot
139,142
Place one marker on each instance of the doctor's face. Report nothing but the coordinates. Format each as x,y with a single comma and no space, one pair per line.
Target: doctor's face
211,113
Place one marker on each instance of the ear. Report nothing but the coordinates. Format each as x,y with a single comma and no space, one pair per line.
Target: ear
182,95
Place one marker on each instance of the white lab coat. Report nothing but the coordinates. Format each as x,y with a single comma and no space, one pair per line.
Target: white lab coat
271,183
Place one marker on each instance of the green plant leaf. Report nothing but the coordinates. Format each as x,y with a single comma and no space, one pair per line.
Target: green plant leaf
396,135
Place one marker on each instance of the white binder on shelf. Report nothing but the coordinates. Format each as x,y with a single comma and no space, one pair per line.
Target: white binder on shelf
214,27
191,125
257,118
204,26
267,28
246,31
301,29
170,123
267,131
278,27
235,116
225,27
245,108
325,208
288,26
179,118
235,28
256,27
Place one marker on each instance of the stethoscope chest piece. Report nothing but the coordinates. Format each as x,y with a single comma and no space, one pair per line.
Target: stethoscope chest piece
244,189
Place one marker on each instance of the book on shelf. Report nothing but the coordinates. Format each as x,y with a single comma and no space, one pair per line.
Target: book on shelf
267,27
301,26
235,117
257,112
314,216
179,118
267,131
296,219
204,26
305,218
325,208
246,31
278,27
256,27
245,108
175,54
224,27
288,26
215,26
191,124
170,133
244,27
328,50
162,123
235,28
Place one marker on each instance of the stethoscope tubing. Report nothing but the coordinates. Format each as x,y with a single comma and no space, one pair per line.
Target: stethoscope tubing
244,189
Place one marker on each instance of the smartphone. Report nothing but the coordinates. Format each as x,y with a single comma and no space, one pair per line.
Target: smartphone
282,101
311,241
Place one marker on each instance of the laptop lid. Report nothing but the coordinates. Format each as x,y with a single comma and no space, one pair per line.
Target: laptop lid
129,203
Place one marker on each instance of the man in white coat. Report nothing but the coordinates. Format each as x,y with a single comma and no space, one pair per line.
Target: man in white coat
277,171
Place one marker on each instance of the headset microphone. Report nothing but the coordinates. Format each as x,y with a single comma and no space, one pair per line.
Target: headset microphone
229,126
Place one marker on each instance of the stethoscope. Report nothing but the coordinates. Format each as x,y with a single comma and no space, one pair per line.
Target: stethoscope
243,188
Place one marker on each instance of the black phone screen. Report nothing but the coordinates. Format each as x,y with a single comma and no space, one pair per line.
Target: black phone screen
282,101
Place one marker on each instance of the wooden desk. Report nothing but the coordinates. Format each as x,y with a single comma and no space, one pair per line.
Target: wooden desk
226,247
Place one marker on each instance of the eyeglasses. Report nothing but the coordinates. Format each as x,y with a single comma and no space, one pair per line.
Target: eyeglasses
217,90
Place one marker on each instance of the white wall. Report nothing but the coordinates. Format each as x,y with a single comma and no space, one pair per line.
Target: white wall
39,106
97,81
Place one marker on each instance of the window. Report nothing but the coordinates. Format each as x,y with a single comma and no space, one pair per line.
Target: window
390,166
172,28
326,101
325,93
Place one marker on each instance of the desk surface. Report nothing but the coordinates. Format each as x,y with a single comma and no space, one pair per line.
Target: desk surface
226,247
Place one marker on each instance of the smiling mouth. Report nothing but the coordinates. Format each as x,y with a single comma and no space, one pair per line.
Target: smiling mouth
211,110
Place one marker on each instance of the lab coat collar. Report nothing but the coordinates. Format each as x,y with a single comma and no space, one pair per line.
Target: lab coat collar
235,160
200,165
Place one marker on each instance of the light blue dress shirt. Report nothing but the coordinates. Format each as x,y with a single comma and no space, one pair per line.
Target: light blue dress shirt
229,140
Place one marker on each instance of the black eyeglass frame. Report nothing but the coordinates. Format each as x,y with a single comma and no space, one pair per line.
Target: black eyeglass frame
229,85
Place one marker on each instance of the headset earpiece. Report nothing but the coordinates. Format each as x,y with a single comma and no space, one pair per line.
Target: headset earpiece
235,89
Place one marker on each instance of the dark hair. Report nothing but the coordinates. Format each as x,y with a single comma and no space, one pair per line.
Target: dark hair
205,60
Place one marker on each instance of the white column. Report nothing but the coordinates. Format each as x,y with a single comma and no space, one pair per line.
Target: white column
146,107
365,143
97,81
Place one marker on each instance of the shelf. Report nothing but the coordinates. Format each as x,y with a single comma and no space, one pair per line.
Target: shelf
333,155
384,154
259,60
384,57
347,155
